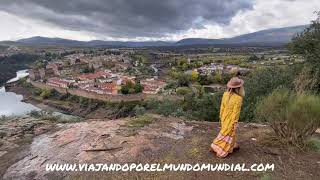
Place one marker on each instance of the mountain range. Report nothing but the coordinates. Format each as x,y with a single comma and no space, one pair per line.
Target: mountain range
276,36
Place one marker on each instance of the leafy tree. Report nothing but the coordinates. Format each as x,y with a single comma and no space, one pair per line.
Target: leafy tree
307,44
124,89
138,88
261,83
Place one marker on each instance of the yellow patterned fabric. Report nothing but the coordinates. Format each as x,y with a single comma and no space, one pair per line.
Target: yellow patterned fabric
230,108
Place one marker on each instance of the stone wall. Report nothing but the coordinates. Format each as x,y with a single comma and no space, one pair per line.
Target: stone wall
92,95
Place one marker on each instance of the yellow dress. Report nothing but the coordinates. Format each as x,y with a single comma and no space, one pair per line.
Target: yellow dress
230,108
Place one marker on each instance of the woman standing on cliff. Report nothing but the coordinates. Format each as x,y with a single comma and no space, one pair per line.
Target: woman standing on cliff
225,142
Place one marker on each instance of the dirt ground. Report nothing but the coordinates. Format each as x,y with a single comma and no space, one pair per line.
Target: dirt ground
153,139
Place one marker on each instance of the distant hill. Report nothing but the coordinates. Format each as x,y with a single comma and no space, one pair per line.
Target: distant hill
66,42
269,36
38,40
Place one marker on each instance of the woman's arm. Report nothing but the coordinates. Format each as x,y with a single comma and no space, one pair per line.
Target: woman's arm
236,110
222,106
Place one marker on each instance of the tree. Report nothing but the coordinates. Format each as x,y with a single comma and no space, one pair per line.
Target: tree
138,88
307,44
124,89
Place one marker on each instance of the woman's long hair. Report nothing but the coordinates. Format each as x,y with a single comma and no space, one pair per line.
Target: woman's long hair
239,91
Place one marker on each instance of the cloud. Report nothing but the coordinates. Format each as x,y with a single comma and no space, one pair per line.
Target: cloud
263,15
128,18
141,20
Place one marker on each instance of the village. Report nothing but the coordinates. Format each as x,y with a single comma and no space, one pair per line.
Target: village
100,74
125,71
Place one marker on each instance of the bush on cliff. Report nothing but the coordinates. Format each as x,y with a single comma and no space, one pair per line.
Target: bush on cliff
48,93
293,117
202,107
167,107
261,83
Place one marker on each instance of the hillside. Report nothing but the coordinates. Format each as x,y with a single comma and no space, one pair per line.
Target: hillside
268,37
146,139
67,42
9,65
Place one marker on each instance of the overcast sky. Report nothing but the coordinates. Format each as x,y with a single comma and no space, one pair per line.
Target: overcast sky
148,19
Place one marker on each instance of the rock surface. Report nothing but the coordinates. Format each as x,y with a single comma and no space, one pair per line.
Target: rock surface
156,140
93,141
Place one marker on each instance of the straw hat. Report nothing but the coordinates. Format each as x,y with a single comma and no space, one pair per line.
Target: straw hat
235,82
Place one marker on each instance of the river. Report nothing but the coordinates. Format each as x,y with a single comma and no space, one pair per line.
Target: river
11,103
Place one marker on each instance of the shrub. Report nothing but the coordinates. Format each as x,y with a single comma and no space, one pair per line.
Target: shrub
140,121
167,107
34,113
83,101
45,94
152,104
181,91
124,109
293,117
139,110
314,144
36,91
171,85
184,80
202,108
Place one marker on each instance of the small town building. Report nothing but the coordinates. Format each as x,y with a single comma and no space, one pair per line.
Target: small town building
152,86
34,74
46,73
57,82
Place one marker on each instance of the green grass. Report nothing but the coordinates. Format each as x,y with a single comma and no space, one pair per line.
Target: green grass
266,177
140,121
314,144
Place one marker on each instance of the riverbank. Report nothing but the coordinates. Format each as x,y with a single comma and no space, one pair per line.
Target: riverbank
74,105
55,105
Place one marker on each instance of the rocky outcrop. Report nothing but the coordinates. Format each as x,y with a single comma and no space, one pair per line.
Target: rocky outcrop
96,141
151,139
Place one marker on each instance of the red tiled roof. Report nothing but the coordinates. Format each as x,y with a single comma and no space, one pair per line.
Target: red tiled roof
109,86
57,81
153,83
93,75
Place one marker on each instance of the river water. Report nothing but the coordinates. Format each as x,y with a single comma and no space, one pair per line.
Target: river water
11,103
